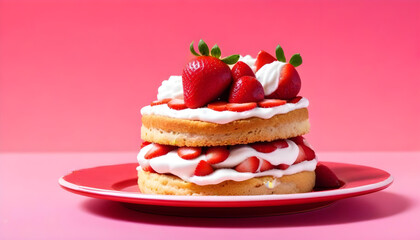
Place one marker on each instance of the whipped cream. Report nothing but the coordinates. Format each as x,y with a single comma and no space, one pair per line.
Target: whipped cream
269,75
250,61
171,163
171,88
208,115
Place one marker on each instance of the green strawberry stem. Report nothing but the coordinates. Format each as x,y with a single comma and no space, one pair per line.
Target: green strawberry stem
296,60
280,54
215,52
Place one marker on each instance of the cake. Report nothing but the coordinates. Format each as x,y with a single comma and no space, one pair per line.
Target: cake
230,126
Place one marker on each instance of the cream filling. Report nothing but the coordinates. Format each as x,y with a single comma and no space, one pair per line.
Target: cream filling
208,115
171,163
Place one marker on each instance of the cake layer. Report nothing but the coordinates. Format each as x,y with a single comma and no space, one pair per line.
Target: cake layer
154,183
182,132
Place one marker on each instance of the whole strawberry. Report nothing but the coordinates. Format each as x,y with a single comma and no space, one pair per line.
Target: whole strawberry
289,83
206,77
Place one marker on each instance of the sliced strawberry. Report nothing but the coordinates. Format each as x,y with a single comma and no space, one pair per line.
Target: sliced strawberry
289,83
241,69
280,144
301,156
188,153
249,165
241,107
325,178
203,169
298,140
144,144
295,100
263,147
148,168
283,166
218,106
246,89
160,102
265,165
177,104
217,154
309,153
263,58
305,153
158,150
269,103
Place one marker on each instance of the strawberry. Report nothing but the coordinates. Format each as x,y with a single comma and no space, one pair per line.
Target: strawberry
295,100
246,89
144,144
282,166
263,58
188,153
218,106
177,104
265,165
325,178
289,80
263,147
203,169
148,168
268,103
289,83
217,154
249,165
241,69
298,140
301,156
280,144
160,102
158,150
205,77
305,153
241,107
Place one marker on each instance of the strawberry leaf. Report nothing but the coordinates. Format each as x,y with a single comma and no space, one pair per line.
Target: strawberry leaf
280,54
203,48
296,60
215,51
232,59
193,50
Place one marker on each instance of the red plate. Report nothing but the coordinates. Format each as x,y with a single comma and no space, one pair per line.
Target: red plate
119,183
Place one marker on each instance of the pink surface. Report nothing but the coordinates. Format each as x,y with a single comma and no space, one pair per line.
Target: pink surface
74,74
33,206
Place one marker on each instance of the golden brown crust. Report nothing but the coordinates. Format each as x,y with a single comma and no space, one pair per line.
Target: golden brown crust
154,183
182,132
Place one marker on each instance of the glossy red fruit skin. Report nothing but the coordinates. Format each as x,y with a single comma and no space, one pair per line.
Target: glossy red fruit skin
246,89
160,102
144,144
204,79
203,169
280,144
217,154
189,153
241,107
241,69
269,103
218,106
263,147
250,164
325,178
263,58
158,150
148,168
289,83
177,104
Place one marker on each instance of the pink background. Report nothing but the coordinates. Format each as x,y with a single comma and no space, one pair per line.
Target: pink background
74,74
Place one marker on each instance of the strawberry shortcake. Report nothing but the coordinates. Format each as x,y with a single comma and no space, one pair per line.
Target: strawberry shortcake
228,127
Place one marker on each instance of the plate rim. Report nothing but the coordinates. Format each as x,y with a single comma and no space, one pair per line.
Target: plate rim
359,190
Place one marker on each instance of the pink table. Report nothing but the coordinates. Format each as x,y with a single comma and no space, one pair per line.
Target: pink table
33,206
